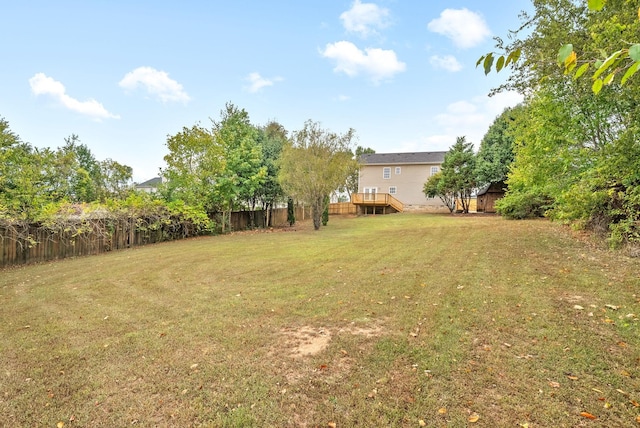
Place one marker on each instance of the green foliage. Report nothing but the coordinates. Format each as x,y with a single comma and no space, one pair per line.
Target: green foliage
496,149
314,164
435,186
459,171
31,178
241,171
192,163
351,185
576,150
291,212
520,205
325,211
272,139
612,29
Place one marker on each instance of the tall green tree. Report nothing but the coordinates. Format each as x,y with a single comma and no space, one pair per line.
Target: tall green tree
272,139
496,149
459,171
314,164
242,171
193,162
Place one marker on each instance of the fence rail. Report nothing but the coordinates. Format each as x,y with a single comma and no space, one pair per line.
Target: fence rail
32,243
342,208
377,199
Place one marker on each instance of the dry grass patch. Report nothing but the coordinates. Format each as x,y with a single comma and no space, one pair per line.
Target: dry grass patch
373,321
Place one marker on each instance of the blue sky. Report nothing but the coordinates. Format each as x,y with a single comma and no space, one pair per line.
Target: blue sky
123,75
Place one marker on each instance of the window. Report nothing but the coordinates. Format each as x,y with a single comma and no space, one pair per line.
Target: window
386,173
435,170
397,170
393,190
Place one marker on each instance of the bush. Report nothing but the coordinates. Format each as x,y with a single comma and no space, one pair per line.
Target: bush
522,205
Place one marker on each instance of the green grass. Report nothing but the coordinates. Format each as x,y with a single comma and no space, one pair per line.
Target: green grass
418,314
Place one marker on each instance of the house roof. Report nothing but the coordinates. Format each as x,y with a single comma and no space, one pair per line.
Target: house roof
154,182
402,158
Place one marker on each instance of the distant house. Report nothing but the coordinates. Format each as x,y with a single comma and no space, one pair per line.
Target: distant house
488,195
391,182
149,186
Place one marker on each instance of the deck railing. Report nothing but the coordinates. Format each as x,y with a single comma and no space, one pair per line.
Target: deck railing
377,199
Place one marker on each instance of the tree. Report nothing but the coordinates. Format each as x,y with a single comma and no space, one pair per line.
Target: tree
242,171
325,210
496,149
612,29
436,186
458,172
116,179
271,138
291,212
314,164
577,128
351,185
193,162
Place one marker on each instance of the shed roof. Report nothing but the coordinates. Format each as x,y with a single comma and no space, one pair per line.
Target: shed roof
154,182
402,158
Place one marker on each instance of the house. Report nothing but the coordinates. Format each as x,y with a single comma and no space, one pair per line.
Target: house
393,182
149,186
488,195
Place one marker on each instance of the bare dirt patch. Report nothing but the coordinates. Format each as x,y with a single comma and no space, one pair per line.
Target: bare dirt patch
306,340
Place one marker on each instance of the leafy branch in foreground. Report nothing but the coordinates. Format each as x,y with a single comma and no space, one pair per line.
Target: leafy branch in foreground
624,61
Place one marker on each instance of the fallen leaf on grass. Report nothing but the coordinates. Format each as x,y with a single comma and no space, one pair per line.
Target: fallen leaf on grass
474,418
638,419
442,411
588,415
554,384
578,307
635,403
614,307
422,423
60,424
332,425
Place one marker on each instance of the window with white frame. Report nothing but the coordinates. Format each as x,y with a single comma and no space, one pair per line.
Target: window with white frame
393,190
398,170
386,173
435,170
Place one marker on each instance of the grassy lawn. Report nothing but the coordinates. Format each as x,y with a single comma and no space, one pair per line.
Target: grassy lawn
401,320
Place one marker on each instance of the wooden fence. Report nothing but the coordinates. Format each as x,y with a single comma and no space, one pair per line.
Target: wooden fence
342,208
32,243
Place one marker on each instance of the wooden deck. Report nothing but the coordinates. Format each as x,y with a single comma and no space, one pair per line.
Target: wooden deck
371,201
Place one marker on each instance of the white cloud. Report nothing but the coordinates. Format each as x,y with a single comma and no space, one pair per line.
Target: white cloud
465,28
379,64
365,18
344,97
258,82
41,84
447,62
156,82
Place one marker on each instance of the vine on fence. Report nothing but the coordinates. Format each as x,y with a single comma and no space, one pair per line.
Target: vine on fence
98,221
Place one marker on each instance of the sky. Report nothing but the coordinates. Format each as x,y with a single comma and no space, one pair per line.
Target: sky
123,75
